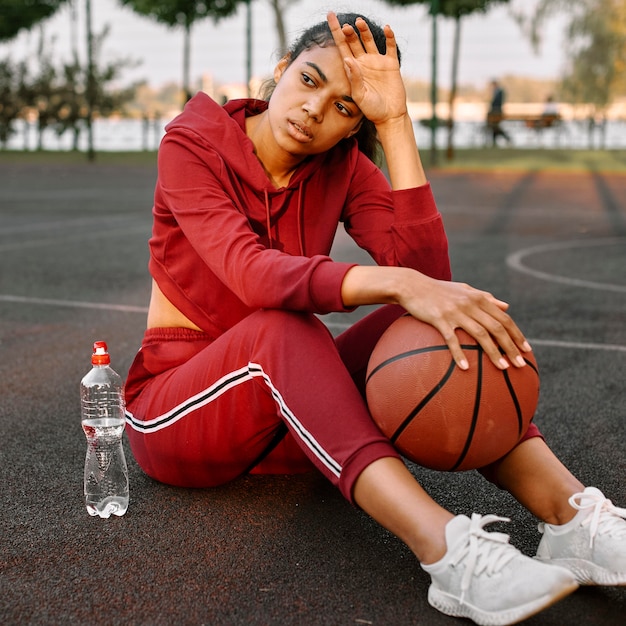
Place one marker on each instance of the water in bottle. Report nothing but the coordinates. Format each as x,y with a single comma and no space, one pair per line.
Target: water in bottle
103,420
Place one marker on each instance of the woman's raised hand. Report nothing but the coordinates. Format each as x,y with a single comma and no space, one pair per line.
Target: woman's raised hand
377,86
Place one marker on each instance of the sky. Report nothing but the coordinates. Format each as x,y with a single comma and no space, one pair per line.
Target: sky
491,45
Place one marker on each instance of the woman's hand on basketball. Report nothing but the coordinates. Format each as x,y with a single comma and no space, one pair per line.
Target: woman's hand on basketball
377,86
450,305
445,305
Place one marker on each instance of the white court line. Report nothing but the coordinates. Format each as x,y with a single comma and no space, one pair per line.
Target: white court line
25,195
124,308
49,225
576,345
82,236
74,304
338,326
515,261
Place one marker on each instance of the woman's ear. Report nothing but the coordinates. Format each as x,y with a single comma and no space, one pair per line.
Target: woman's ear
280,68
355,130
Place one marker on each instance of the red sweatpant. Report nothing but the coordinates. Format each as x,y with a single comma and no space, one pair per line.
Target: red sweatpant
275,394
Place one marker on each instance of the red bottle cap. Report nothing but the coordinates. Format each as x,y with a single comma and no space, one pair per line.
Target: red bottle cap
100,354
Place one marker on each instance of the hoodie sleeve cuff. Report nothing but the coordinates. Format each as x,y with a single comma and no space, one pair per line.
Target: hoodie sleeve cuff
326,286
415,206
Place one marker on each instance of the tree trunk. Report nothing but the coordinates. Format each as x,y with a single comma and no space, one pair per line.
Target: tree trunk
453,87
186,62
434,122
249,48
280,26
91,84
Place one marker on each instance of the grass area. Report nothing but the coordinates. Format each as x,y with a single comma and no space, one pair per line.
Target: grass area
476,160
539,160
131,159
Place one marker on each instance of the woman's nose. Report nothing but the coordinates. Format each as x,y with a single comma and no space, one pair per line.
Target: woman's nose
314,108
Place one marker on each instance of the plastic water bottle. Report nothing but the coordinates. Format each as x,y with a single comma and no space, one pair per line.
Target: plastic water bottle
103,421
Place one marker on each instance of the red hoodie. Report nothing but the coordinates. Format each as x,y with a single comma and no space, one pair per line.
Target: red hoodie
226,242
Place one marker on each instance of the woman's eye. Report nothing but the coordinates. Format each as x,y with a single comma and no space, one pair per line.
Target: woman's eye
307,79
342,109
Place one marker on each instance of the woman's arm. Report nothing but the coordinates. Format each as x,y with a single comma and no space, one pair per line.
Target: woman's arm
443,304
378,89
401,153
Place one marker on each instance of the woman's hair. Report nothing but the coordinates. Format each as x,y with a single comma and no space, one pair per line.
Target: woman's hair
320,35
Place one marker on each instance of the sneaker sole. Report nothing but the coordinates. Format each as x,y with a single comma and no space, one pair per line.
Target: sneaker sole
450,605
588,573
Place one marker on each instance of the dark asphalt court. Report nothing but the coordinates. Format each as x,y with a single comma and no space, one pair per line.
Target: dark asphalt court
277,550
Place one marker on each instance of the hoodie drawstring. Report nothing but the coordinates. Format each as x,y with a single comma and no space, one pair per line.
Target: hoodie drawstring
299,218
268,224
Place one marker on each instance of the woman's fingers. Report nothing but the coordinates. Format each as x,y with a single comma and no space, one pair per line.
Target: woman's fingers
484,318
338,35
392,46
495,340
493,337
351,43
346,39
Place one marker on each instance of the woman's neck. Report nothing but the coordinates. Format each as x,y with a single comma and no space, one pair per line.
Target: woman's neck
277,164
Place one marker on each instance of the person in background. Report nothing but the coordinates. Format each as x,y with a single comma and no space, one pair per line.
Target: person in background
550,107
495,114
237,373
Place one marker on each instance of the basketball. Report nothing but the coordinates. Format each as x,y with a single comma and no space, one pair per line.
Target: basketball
438,415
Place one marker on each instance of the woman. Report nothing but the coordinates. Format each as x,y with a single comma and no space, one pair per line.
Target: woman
236,374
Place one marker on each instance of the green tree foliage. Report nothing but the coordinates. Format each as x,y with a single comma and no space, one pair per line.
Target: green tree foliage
184,14
13,77
55,95
17,15
452,8
70,107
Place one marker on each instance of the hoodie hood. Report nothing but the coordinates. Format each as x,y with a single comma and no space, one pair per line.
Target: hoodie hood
221,129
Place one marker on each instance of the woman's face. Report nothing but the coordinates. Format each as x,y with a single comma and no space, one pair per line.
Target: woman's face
311,108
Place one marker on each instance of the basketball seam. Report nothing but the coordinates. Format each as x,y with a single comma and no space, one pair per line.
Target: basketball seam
436,389
429,396
409,353
472,428
518,408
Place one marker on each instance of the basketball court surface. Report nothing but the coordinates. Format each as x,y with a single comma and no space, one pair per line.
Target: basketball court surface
278,550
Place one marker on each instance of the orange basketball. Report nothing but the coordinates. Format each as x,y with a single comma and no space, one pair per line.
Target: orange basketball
439,415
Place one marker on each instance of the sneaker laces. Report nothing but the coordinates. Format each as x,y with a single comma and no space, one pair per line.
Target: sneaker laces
604,517
485,552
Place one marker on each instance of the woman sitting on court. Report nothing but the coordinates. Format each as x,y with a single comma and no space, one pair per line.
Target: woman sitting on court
237,374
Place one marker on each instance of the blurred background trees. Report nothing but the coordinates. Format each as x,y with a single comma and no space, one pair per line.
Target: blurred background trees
595,74
184,14
17,15
455,10
65,95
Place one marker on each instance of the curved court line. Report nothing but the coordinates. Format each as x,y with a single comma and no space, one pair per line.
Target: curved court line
515,261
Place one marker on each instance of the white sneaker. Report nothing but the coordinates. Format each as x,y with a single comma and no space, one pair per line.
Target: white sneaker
593,544
486,579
